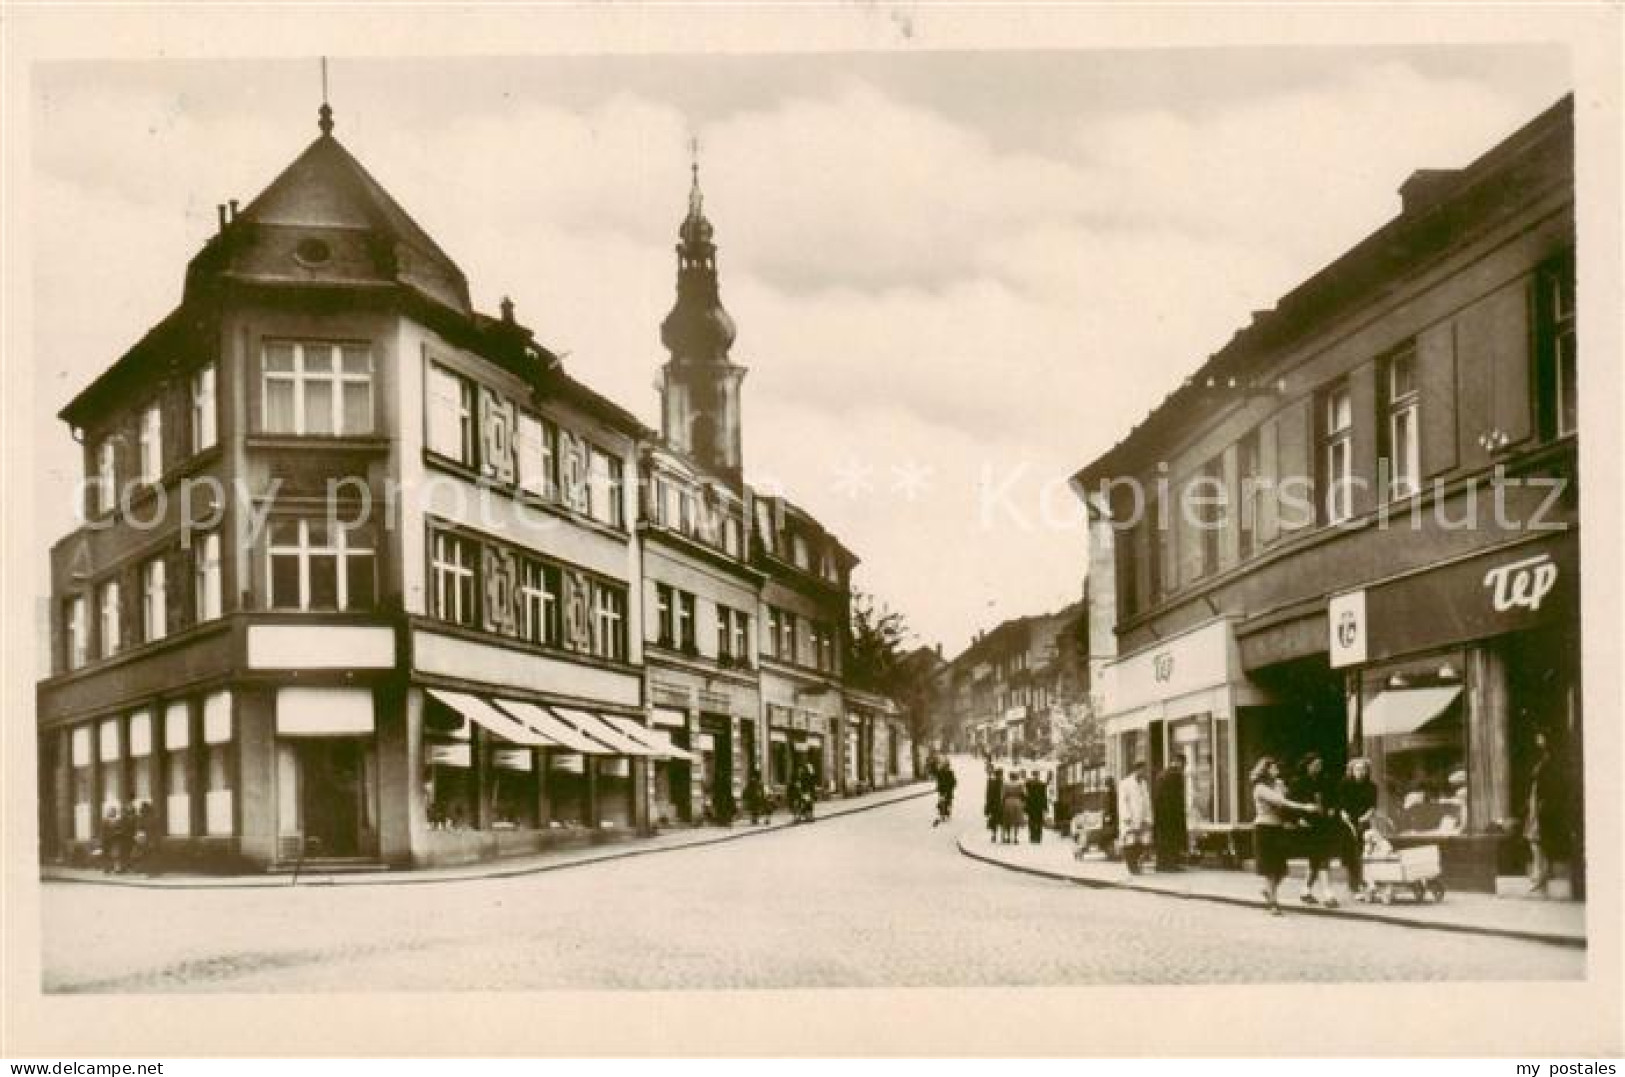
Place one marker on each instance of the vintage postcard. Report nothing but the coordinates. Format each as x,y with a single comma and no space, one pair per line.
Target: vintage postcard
543,516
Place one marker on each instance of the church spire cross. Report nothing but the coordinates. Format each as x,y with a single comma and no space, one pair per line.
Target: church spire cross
695,198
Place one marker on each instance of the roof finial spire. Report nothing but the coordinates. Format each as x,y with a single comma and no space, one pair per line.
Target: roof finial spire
695,198
326,111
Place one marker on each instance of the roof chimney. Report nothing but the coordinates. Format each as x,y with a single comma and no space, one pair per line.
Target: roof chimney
507,310
1426,187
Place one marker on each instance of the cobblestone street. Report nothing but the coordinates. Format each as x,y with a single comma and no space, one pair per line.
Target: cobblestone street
877,898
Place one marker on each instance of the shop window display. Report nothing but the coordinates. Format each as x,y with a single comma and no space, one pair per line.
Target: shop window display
1192,740
448,769
1413,721
513,792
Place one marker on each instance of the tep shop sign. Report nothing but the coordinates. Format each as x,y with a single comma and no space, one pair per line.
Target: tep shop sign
1505,590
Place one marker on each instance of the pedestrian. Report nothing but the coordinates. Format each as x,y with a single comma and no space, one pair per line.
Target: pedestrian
756,801
1134,816
141,835
993,801
1168,811
947,780
1314,829
1036,803
1356,807
112,840
1271,810
1014,809
1545,826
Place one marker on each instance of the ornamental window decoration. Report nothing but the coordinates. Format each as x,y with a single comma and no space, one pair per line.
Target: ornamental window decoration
501,576
496,428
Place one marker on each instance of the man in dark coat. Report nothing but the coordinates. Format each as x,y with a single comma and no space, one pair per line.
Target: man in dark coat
993,802
1037,802
947,781
1169,829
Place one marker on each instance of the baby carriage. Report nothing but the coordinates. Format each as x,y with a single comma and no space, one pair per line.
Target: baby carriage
1389,871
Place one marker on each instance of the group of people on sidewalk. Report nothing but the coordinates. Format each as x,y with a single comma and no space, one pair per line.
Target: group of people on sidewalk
1010,801
127,837
1317,816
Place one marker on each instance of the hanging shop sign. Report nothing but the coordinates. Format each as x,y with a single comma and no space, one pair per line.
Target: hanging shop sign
1346,625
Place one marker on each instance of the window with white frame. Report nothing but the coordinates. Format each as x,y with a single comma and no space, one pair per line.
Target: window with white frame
538,602
609,612
685,621
741,642
152,443
219,766
177,773
206,576
665,612
204,430
599,495
154,600
538,444
615,478
775,631
81,756
78,634
787,636
107,602
316,564
1338,453
452,572
731,540
1250,469
449,410
802,554
315,388
1565,350
106,475
724,632
1404,439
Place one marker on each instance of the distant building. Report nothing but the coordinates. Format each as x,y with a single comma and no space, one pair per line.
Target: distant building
1009,690
366,576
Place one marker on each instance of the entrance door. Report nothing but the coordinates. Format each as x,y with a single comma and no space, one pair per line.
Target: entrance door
719,773
332,795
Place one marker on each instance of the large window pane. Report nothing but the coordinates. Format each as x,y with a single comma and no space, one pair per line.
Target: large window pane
285,581
318,407
324,581
360,585
357,408
279,418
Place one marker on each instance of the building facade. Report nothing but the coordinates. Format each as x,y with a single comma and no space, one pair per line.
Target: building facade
365,575
1355,529
1012,691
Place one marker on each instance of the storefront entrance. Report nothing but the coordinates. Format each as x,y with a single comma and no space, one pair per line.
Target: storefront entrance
327,800
332,796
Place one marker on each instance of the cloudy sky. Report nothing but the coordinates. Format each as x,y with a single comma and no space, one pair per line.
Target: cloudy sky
957,277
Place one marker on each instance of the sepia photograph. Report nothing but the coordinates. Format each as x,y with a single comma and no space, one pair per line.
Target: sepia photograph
523,520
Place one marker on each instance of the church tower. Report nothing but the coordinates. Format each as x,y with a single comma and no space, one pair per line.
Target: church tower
700,385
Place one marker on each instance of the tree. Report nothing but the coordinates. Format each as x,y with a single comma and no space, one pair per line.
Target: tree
874,656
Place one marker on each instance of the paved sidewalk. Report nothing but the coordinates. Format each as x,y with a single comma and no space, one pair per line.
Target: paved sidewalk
496,869
1560,922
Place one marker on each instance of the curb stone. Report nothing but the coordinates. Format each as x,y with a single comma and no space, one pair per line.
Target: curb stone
1550,938
425,878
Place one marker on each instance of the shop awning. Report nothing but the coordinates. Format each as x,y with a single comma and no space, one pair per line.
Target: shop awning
482,713
598,729
657,741
1405,710
548,725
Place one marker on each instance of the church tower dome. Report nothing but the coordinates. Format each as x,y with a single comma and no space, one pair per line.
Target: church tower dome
700,384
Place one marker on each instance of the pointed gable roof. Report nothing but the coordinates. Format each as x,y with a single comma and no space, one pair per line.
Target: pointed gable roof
364,235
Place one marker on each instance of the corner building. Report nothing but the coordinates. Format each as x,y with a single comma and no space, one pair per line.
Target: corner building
395,624
365,577
1395,570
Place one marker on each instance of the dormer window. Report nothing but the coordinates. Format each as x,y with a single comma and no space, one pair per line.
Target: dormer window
313,252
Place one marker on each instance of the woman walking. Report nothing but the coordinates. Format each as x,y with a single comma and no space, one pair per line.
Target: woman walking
1015,810
993,801
1319,840
1356,805
1270,809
